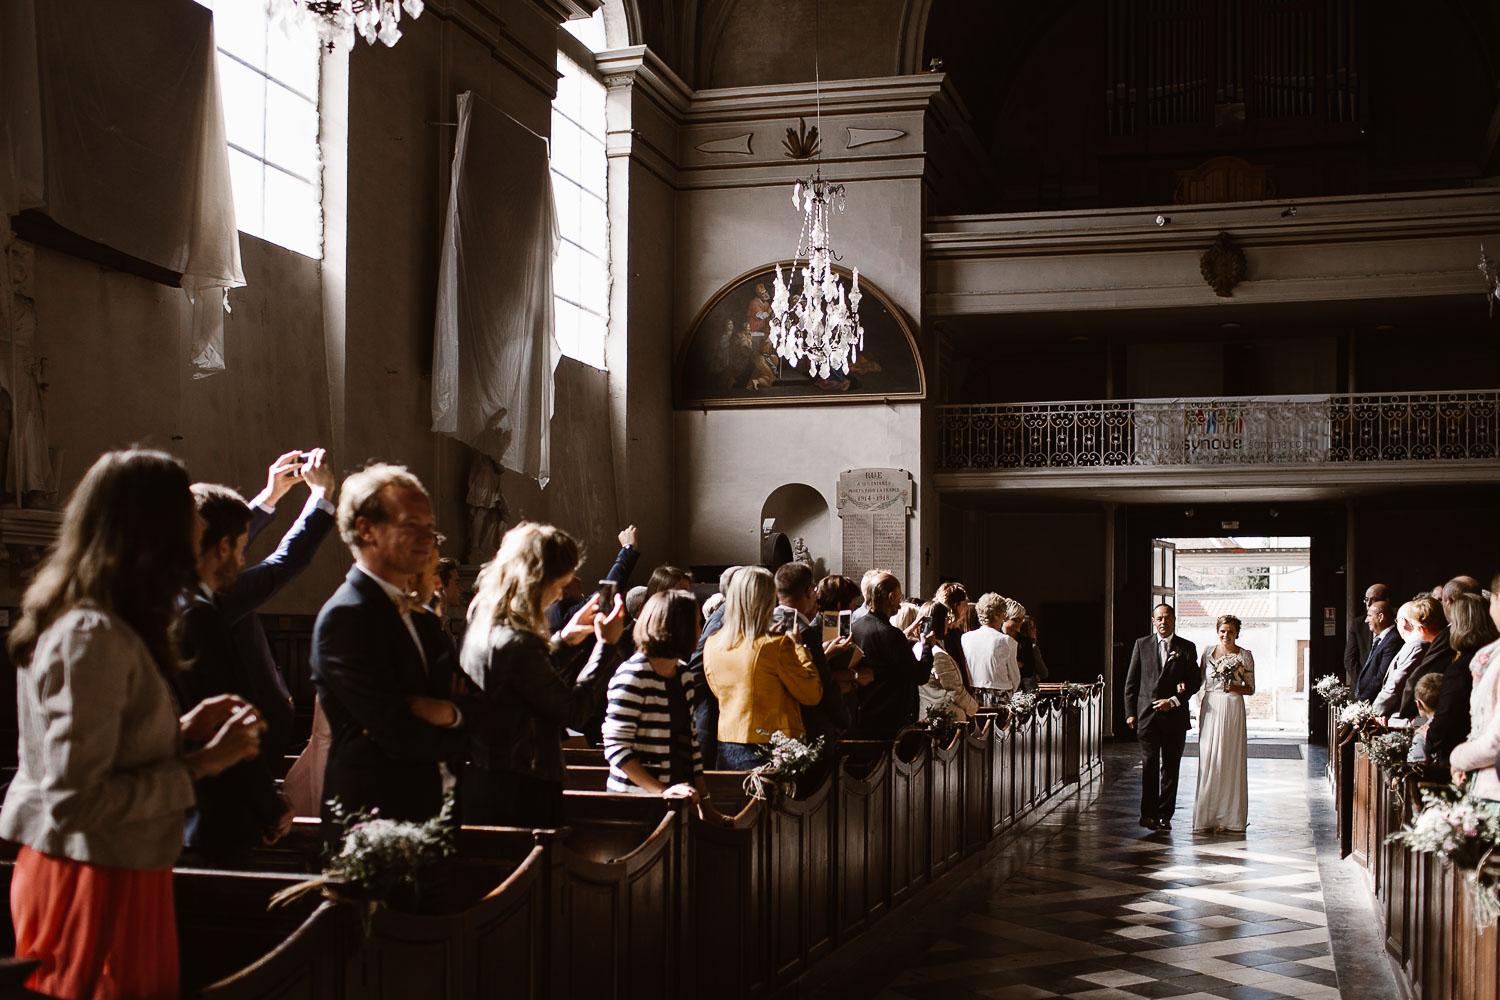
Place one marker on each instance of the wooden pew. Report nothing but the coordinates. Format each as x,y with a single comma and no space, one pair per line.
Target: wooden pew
945,765
911,810
729,885
863,871
978,783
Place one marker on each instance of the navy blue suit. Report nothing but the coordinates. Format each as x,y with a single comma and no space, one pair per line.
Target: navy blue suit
364,666
233,808
266,688
1379,660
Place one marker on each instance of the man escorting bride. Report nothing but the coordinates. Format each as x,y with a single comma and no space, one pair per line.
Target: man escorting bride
1223,800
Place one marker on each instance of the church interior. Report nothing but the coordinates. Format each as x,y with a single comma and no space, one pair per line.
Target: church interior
1222,272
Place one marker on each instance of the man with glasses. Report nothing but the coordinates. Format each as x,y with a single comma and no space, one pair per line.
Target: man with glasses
385,682
1163,676
1357,642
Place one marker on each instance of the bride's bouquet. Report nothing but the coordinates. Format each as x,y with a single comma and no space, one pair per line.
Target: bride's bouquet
1229,670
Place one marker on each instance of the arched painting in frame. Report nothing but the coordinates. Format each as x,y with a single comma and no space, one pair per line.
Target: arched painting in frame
727,360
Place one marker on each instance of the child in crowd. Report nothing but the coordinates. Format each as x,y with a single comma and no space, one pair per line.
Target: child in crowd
1427,691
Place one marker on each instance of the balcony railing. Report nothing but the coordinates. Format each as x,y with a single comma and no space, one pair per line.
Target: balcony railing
1380,427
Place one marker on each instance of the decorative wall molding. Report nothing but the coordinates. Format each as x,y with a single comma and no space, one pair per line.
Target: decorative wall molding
732,144
1358,246
868,136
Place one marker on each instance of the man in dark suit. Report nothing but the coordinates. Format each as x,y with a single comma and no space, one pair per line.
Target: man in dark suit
1163,676
890,701
797,601
1357,641
242,806
1385,643
385,683
257,584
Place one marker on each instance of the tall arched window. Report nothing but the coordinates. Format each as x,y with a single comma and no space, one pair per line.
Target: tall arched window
268,79
580,275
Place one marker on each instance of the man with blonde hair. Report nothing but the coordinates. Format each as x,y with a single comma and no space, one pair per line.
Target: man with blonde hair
991,653
385,676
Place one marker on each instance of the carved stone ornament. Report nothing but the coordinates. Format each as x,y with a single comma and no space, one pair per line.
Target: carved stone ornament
1223,265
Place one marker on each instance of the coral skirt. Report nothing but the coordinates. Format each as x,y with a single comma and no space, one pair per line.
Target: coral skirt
101,933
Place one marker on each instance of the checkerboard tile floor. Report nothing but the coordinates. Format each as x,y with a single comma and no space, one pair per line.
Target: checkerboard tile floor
1106,911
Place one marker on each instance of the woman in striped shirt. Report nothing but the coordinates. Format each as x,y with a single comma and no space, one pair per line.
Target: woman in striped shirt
649,739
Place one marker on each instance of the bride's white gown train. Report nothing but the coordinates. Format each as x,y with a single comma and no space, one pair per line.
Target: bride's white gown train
1223,798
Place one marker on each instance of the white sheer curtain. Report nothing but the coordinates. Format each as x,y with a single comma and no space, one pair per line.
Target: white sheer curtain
116,132
495,351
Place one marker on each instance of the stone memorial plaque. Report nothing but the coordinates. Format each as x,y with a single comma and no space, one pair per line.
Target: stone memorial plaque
874,505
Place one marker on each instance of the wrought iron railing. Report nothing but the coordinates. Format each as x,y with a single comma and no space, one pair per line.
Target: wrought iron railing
1372,427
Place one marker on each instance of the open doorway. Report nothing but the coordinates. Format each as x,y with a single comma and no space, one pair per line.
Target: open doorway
1265,582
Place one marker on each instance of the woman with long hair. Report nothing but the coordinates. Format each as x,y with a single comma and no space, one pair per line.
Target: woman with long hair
515,774
761,680
1470,630
1478,754
1222,804
103,782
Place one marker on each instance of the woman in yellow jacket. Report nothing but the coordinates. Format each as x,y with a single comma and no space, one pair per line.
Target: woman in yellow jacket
761,679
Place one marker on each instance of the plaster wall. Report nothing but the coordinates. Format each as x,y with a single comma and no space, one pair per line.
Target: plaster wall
116,370
729,461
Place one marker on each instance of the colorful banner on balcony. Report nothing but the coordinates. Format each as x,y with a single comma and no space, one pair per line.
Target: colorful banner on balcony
1266,429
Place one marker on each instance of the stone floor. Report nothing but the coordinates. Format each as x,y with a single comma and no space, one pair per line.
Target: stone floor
1089,905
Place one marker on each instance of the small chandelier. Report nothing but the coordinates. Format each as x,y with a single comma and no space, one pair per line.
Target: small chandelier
336,21
819,322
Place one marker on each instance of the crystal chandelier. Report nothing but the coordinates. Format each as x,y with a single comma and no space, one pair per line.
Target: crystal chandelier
818,321
336,21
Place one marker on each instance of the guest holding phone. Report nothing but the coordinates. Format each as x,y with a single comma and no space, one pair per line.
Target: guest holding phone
890,701
945,685
515,774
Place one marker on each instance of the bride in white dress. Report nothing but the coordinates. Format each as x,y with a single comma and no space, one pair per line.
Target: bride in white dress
1223,800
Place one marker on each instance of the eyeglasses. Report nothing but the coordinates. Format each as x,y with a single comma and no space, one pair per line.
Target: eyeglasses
423,531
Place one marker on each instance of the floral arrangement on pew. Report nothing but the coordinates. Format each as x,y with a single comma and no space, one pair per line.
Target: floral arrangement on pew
1388,749
1022,705
1355,720
1465,830
1073,695
942,721
377,859
787,758
1334,692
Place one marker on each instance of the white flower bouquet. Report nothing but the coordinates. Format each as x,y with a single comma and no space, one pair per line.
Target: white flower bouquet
1334,692
1357,715
1022,705
1465,830
1075,694
942,720
377,857
787,758
1230,670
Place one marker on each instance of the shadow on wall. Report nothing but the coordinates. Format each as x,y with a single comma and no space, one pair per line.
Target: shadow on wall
798,511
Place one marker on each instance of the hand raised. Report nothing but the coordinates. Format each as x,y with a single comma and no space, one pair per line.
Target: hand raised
609,628
627,536
317,472
283,475
581,625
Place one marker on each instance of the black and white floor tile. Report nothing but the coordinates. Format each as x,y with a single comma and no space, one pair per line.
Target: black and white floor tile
1100,909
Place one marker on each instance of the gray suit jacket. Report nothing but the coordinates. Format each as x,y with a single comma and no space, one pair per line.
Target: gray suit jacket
101,778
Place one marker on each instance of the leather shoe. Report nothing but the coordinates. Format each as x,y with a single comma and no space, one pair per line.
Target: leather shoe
1149,824
1165,825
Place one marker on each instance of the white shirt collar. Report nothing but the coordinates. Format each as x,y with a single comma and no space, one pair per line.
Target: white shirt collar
395,593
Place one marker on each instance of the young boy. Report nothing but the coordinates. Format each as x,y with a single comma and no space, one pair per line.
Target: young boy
1427,691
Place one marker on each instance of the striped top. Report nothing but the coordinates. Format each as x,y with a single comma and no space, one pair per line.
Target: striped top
638,724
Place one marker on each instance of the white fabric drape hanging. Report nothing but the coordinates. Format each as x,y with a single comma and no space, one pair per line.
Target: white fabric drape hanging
495,352
119,138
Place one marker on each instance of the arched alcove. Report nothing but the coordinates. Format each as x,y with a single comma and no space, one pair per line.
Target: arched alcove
799,511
